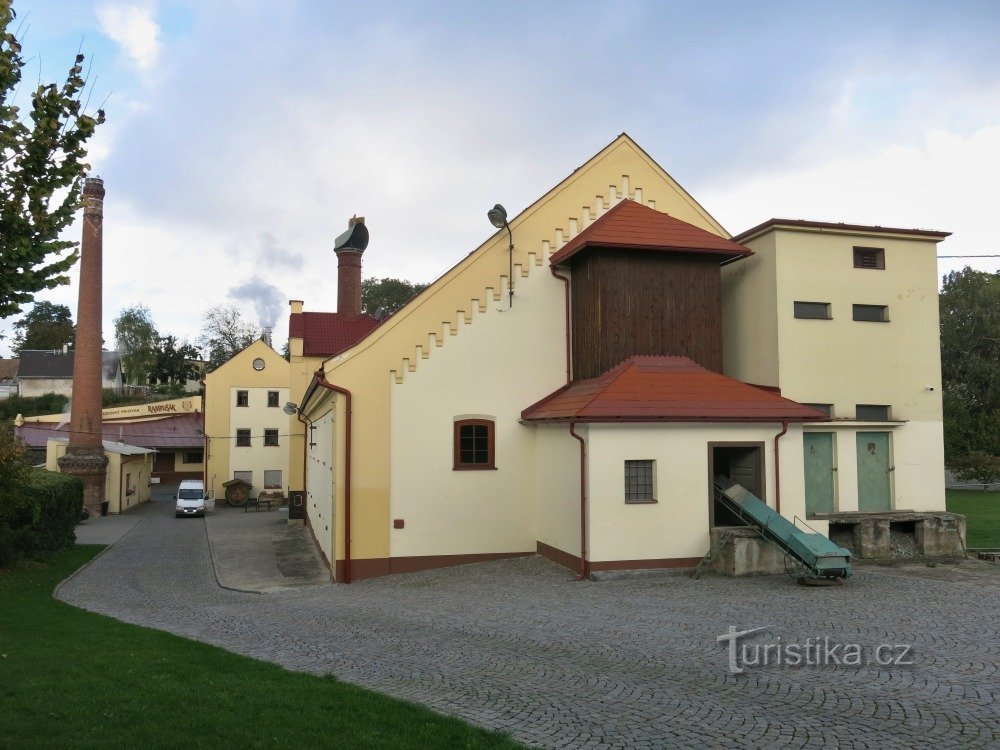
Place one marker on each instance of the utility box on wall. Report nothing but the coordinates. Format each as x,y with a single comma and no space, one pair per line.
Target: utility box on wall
296,506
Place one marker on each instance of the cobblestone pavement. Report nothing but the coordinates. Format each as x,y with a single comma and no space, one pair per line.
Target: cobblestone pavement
519,647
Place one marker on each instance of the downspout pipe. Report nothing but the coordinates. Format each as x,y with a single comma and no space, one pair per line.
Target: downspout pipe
584,568
777,466
322,382
305,453
565,280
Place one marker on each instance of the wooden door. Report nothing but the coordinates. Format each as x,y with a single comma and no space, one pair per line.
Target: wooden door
874,467
819,471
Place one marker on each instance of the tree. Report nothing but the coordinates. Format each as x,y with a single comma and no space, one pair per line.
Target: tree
137,339
224,333
385,296
970,371
176,361
41,174
45,326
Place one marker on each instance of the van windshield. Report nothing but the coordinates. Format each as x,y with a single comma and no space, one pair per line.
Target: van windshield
189,495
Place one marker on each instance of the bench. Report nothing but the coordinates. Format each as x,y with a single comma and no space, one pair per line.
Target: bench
255,504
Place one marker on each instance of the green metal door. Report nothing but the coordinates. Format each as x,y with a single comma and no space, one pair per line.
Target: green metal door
874,492
818,448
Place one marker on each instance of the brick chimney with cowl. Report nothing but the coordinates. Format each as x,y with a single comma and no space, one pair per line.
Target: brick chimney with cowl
85,456
349,246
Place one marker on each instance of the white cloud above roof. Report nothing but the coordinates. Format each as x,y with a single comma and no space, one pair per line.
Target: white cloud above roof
133,26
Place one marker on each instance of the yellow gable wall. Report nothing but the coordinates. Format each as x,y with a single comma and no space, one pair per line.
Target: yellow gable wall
377,369
220,387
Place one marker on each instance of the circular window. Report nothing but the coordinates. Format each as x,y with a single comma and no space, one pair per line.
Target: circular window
258,364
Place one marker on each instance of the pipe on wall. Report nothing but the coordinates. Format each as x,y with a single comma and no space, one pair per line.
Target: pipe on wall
322,382
305,469
777,466
584,569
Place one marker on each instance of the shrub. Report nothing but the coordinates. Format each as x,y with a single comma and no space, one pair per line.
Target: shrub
30,406
38,515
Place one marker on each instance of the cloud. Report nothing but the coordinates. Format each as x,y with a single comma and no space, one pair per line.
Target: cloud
267,299
135,29
944,182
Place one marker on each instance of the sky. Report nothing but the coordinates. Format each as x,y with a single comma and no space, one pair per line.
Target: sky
241,136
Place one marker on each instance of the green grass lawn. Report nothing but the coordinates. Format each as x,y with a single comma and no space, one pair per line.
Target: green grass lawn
982,516
70,678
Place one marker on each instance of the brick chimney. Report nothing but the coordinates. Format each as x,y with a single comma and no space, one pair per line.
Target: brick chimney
349,248
85,456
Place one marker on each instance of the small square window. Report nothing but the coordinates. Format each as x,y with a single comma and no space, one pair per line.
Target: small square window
270,437
272,479
813,310
872,412
869,257
243,438
246,476
193,457
825,408
639,481
272,398
243,398
871,313
473,444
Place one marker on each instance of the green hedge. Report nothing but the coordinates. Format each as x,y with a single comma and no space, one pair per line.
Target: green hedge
39,516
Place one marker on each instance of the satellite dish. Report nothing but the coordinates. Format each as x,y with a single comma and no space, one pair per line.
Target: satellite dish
290,408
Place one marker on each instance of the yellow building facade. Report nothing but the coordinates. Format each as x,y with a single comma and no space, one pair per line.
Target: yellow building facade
127,476
385,493
246,429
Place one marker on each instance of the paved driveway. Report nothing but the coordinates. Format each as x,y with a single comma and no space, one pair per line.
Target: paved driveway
520,647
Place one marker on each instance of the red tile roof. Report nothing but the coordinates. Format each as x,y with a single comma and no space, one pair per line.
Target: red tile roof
666,389
632,226
325,334
178,431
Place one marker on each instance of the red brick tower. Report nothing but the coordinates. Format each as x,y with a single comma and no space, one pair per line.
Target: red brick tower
85,454
349,247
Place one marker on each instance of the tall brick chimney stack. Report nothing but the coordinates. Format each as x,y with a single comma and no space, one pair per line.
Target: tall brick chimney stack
85,456
350,246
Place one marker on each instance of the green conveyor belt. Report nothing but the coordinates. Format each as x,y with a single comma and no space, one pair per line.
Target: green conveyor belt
822,558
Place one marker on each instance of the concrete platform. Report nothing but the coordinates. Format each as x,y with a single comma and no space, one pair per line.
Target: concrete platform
105,529
261,552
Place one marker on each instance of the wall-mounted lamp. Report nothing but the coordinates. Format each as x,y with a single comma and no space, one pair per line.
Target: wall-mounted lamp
498,218
291,408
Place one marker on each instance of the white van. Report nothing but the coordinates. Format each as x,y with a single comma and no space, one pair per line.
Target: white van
190,498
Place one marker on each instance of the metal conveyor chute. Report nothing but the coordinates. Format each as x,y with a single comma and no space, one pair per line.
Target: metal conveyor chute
821,557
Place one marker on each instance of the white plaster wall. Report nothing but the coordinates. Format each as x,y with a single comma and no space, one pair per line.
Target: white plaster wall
750,316
917,450
848,362
31,387
495,366
257,417
557,486
320,482
677,525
